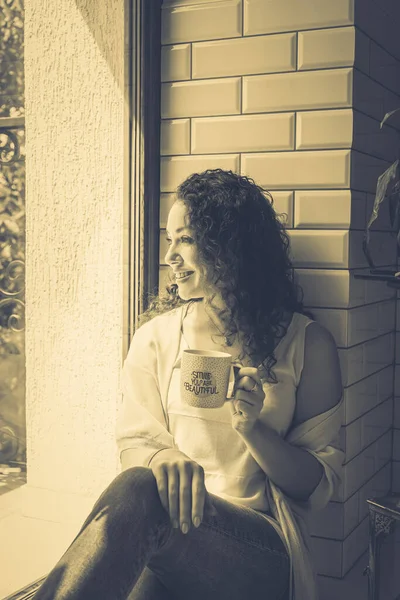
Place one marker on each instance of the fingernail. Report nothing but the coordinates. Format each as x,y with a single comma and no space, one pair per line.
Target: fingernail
196,521
185,528
175,524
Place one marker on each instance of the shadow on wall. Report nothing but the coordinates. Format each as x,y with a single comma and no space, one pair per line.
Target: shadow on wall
101,18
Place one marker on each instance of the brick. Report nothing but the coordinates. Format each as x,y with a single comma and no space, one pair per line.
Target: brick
361,57
336,209
397,374
351,436
364,466
200,98
327,555
326,48
396,477
297,91
320,249
175,136
369,138
299,170
367,393
175,169
339,289
376,422
327,288
291,15
324,129
244,56
378,485
196,21
336,520
374,290
355,545
371,98
175,62
323,210
384,67
378,25
243,134
364,359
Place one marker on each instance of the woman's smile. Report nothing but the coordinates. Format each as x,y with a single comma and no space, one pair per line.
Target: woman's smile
183,276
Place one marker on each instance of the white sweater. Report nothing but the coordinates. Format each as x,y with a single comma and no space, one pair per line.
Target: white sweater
149,420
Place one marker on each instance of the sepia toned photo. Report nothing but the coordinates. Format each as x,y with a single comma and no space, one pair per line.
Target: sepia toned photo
199,282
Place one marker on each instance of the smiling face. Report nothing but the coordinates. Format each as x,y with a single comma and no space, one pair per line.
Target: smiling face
182,255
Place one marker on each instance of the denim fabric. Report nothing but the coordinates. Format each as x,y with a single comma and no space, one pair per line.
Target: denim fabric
127,548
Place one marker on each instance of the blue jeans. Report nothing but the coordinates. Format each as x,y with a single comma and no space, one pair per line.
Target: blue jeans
127,548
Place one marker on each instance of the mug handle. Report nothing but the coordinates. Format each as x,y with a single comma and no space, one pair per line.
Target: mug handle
235,368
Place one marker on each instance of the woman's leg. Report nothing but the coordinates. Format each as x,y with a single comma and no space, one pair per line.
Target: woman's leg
236,555
149,587
125,528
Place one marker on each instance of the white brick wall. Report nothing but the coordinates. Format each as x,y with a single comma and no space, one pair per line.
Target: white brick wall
292,93
275,15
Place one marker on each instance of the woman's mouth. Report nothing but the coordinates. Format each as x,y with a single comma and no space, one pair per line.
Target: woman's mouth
183,276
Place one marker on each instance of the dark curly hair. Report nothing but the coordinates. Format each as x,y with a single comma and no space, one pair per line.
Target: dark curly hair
245,250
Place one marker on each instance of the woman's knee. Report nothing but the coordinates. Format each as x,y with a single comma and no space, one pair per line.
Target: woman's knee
134,483
133,490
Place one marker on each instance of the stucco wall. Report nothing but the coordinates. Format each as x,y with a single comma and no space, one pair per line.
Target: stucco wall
74,67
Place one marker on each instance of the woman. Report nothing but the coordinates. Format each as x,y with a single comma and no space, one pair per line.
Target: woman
212,503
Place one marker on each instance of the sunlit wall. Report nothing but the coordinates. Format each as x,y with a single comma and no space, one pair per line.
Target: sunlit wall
74,295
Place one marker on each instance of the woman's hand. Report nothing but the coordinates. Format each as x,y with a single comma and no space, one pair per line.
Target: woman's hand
248,399
180,483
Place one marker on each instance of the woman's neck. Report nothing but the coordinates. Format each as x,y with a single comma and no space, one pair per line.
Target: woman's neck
203,329
206,317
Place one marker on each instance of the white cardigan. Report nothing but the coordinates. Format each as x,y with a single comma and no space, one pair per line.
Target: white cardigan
142,426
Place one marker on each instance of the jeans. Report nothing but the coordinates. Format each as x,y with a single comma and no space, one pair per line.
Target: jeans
127,548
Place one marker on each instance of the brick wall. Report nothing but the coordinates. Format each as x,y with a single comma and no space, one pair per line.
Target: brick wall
291,93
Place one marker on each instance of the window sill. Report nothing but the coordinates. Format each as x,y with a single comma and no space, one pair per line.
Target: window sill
38,525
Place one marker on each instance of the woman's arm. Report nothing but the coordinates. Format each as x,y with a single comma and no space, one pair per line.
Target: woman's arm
294,470
141,429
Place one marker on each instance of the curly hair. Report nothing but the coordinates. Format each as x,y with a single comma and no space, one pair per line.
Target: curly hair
244,249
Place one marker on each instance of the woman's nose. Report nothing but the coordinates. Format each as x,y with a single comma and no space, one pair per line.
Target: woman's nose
170,254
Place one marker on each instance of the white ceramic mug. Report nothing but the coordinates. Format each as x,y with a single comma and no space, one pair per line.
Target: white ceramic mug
207,378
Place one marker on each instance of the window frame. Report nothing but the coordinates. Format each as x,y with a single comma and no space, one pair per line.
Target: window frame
143,185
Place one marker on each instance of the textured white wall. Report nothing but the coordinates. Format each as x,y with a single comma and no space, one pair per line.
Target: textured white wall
74,68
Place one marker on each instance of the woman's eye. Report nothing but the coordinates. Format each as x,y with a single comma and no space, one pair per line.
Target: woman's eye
169,241
187,240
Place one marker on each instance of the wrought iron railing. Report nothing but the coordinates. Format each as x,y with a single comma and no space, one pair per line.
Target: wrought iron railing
12,290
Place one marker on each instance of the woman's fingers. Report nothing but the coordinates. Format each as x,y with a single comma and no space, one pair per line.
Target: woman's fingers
182,491
173,495
253,400
161,478
185,496
247,377
198,495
